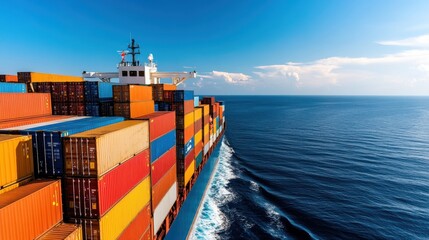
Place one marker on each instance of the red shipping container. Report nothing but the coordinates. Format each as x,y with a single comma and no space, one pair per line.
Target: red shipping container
160,167
24,105
60,108
92,197
160,123
164,184
198,148
76,91
189,158
28,211
139,225
198,125
76,108
59,92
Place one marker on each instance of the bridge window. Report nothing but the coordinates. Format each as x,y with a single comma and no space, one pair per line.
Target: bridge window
141,73
124,74
133,73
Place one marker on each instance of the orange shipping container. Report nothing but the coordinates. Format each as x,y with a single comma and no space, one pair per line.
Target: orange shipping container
27,77
28,121
15,185
24,105
132,93
133,109
198,113
8,78
63,231
30,210
16,159
163,185
137,227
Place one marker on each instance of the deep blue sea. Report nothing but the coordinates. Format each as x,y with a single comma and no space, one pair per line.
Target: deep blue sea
310,167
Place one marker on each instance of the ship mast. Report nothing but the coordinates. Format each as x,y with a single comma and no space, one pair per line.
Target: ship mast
134,51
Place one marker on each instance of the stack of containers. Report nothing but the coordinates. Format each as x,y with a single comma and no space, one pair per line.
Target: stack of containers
132,101
8,78
76,98
206,127
47,140
99,98
221,115
198,137
213,115
158,91
107,184
10,87
16,106
217,119
182,102
162,135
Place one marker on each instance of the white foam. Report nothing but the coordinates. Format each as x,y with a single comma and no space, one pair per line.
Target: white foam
211,219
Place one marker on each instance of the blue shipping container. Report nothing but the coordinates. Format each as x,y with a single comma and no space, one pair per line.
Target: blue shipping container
199,159
47,145
6,87
217,123
183,150
196,101
162,144
92,109
98,91
183,95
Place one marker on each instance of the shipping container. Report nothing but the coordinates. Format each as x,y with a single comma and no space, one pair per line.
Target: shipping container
47,141
160,166
76,108
179,96
190,157
199,159
93,197
184,149
183,136
16,159
162,144
19,128
28,121
27,77
161,212
63,231
206,133
98,91
198,148
116,220
15,185
160,123
182,122
139,226
92,153
106,109
198,113
16,106
189,172
76,92
28,211
206,148
133,109
8,78
131,93
6,87
196,101
198,136
160,189
158,90
181,108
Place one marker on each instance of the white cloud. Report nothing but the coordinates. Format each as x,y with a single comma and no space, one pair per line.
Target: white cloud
231,78
419,41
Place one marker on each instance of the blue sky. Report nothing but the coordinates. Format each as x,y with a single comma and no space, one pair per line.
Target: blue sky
331,47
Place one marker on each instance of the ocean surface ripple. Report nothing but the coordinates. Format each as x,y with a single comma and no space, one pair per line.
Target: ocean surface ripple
294,167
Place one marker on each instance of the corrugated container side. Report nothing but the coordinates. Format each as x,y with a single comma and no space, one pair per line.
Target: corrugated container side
206,133
189,159
208,100
198,136
196,101
184,136
206,148
198,113
199,159
132,93
30,210
189,172
182,108
160,123
138,227
8,78
27,77
198,148
94,152
182,122
134,109
12,87
63,231
160,213
23,105
162,144
16,159
28,121
161,165
184,149
198,125
102,193
164,184
15,185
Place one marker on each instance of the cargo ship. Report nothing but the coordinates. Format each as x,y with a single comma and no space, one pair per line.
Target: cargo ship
92,157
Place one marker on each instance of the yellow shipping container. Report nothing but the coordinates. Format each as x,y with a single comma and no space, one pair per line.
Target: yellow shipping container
206,129
189,172
16,159
112,145
116,220
63,231
198,114
189,119
198,136
49,77
15,185
206,110
215,124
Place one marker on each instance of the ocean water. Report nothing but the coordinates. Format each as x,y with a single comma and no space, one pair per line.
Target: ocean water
295,167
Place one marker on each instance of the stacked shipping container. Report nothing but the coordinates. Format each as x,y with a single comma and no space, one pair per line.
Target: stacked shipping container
131,101
99,98
8,78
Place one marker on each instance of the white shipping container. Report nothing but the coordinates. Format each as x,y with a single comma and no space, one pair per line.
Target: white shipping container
34,125
164,207
206,148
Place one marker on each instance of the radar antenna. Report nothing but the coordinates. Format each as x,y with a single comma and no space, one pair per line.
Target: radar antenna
134,51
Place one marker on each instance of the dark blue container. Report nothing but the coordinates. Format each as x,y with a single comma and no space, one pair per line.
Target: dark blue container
183,95
92,109
6,87
199,159
156,107
47,145
162,144
183,150
98,91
